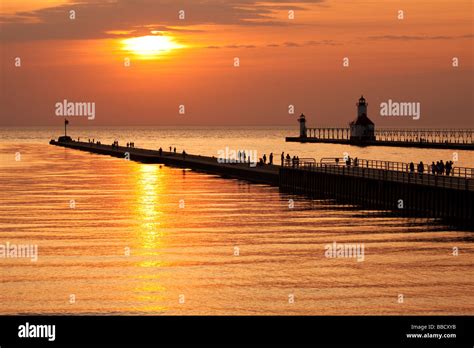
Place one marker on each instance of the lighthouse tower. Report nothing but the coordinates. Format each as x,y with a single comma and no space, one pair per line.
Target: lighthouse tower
361,107
302,121
362,128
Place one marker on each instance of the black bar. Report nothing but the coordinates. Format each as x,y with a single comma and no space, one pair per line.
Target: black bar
261,330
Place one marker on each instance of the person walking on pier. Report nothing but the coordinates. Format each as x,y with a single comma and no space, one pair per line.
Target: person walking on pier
412,167
441,167
449,167
282,158
433,168
288,159
270,161
264,159
421,168
170,148
174,150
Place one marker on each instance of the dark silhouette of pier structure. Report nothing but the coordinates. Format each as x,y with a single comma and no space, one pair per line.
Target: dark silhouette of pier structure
363,132
380,185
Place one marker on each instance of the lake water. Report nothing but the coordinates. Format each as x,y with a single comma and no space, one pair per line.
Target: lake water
119,237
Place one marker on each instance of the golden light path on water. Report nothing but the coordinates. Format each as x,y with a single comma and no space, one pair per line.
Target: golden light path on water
189,250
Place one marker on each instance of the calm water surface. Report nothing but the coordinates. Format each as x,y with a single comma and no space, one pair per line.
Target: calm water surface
182,229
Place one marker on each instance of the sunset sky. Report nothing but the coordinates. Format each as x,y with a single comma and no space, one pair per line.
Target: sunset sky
283,61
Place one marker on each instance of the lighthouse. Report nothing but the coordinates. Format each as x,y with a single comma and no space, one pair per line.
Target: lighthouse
302,121
362,128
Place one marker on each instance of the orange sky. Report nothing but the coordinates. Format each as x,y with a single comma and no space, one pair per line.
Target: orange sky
282,61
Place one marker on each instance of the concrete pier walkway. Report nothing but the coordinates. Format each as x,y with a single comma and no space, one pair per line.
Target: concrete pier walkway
267,174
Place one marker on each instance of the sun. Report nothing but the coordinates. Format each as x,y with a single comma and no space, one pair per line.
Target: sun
150,45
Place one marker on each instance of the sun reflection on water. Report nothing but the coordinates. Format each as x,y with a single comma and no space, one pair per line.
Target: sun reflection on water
149,190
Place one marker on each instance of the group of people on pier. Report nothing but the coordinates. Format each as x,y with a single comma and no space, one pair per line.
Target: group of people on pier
172,150
289,161
263,160
349,161
438,168
94,142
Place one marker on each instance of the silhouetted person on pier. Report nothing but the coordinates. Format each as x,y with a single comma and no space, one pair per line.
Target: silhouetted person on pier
288,159
174,150
356,162
449,166
184,154
433,168
270,161
348,161
264,159
421,168
160,151
282,159
441,167
412,167
294,161
170,148
245,156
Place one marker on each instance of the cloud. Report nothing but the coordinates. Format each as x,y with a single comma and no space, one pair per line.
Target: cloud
309,43
418,37
289,44
96,19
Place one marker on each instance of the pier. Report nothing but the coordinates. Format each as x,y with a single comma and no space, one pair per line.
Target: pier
382,185
362,132
456,139
267,174
385,185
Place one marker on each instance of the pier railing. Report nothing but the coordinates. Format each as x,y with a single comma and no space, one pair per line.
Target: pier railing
462,172
459,177
339,133
439,136
422,135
